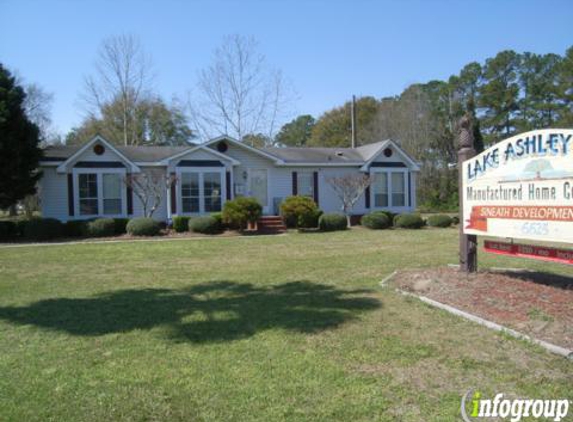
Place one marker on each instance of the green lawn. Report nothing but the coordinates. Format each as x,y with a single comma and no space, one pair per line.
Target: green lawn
283,328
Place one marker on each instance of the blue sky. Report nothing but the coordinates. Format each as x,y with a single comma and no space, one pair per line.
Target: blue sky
329,50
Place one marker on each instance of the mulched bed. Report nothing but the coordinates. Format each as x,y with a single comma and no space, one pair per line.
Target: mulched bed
537,304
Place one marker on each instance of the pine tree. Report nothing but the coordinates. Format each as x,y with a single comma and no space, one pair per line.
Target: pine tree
19,144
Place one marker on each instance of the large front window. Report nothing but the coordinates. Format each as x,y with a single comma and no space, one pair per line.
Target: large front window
190,192
111,194
389,189
212,191
200,192
88,194
380,189
100,193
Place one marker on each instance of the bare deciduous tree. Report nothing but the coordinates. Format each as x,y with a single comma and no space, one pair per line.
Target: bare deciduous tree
38,104
349,188
149,187
123,74
238,94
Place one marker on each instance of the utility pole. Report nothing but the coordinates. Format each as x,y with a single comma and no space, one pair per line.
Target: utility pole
353,120
468,243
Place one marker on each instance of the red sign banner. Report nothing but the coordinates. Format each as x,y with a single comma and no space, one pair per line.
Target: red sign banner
563,256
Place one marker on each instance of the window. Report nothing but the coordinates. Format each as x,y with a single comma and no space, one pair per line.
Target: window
190,192
380,189
398,191
88,194
305,184
212,191
111,194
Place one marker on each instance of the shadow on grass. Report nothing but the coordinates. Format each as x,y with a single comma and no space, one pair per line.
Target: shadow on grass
209,312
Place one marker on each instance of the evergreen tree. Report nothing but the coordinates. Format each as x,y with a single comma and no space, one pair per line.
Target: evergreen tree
498,96
19,144
565,86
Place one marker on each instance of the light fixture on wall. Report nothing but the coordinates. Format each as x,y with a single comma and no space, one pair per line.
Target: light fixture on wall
245,174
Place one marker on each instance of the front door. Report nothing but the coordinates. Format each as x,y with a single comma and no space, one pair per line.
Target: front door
258,186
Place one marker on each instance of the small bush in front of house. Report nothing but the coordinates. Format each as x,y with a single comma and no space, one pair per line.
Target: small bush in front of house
143,226
181,223
409,221
43,229
120,225
101,227
300,211
440,220
75,228
455,219
8,230
241,211
204,225
332,222
376,220
219,217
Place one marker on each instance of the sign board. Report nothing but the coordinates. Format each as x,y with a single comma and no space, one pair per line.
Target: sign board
522,188
563,256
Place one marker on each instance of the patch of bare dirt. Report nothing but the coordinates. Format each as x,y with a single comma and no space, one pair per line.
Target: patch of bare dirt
537,304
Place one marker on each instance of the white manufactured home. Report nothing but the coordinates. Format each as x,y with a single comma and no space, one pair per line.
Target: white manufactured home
88,181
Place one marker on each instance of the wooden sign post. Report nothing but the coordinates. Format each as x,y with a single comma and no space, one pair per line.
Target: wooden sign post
468,242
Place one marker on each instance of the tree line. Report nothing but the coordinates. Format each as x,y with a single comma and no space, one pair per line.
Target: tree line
507,94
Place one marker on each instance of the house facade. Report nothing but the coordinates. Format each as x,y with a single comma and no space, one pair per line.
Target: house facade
82,182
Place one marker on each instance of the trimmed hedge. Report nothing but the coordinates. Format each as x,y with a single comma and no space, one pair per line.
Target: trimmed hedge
101,227
181,223
332,222
409,221
440,220
241,211
76,228
300,211
143,226
43,229
376,220
8,230
218,216
120,225
204,225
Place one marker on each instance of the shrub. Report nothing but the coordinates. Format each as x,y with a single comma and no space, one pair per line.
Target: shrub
101,227
376,220
440,220
409,221
181,223
76,228
300,211
455,219
332,222
43,229
204,225
218,216
120,225
8,230
143,226
241,211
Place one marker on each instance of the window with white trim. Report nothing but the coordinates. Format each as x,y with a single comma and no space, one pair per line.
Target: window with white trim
112,185
398,189
212,191
190,192
380,189
88,194
305,184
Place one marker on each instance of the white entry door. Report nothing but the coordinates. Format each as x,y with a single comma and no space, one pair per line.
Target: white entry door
259,187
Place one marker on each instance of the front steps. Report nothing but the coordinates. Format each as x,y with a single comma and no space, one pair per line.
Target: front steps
271,224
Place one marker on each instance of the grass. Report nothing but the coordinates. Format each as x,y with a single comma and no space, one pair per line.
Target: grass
284,328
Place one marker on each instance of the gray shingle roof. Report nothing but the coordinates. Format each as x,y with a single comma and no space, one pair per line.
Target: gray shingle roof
148,154
145,154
